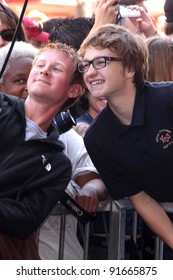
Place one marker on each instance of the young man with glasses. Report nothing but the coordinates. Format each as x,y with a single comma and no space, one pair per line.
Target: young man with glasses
130,143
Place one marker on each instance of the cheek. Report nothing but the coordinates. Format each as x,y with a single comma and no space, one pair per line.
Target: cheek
6,87
61,81
16,88
85,77
30,80
33,74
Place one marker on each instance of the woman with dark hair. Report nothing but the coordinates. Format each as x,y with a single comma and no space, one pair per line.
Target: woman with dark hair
8,24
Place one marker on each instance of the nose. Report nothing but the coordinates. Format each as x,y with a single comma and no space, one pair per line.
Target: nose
45,71
91,71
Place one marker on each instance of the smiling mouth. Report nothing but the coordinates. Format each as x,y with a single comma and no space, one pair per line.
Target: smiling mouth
96,83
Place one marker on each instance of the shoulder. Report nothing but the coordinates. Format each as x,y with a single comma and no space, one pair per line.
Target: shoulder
70,137
100,122
159,93
73,142
8,102
159,87
75,150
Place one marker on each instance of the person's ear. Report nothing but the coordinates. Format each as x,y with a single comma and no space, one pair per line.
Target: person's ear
75,90
129,73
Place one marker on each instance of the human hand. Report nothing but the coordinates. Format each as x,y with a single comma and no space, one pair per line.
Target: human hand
105,11
88,199
144,23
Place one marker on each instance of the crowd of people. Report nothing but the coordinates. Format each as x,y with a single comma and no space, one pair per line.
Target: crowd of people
114,74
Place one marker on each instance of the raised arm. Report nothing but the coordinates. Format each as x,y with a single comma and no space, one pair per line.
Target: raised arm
145,22
104,12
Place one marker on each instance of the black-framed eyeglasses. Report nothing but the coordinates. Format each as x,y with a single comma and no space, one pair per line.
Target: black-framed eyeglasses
97,63
6,11
7,34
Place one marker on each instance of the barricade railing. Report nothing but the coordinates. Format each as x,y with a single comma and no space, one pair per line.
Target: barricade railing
117,222
116,236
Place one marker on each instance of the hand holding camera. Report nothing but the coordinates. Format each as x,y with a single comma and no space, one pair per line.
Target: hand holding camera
134,17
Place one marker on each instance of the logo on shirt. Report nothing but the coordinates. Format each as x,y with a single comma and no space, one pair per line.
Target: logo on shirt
164,137
48,166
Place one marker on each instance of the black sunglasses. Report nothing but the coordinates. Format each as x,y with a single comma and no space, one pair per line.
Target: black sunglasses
7,34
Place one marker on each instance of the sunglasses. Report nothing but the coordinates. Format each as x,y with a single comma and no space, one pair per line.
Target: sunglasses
7,34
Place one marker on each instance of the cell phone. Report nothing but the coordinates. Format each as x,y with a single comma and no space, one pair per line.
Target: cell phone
125,12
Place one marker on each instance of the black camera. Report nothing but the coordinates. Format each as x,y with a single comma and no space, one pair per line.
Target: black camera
64,121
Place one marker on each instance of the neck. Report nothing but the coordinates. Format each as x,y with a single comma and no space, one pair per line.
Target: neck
92,112
40,113
122,106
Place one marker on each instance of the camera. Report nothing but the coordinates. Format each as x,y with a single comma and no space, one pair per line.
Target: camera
68,200
125,12
64,121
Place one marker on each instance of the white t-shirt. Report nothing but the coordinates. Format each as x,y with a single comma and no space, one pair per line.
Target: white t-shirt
48,234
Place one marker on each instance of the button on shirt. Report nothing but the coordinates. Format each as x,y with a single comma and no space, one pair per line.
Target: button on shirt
139,156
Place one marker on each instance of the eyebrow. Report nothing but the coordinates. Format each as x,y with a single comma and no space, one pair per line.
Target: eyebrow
55,63
20,75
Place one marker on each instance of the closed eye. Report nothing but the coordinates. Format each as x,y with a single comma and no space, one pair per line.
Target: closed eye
58,69
39,65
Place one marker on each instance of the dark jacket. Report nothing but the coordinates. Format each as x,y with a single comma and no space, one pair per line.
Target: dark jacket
33,174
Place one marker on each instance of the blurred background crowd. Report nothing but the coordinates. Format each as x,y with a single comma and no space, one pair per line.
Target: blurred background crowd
42,10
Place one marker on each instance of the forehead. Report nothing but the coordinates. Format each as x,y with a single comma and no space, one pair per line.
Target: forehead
55,54
54,57
93,52
19,65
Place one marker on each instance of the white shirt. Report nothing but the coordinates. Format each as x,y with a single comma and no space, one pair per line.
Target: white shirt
48,237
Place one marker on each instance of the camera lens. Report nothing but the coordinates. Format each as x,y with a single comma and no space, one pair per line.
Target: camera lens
65,121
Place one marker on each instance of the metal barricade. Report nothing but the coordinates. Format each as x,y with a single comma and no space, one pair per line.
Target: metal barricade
116,236
116,247
117,221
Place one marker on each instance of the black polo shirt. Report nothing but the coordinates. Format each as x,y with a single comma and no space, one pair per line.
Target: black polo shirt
139,156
